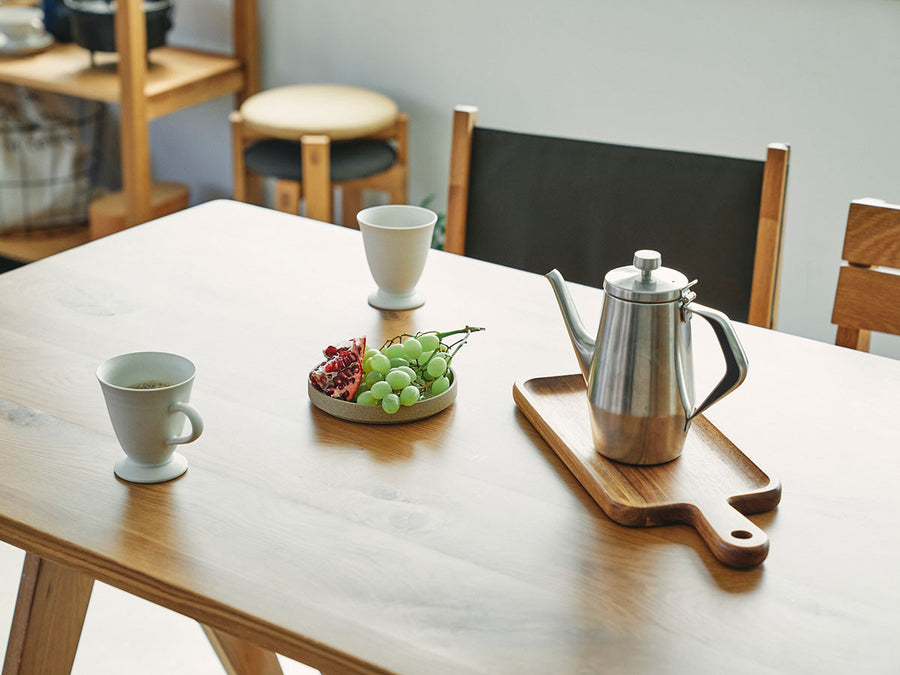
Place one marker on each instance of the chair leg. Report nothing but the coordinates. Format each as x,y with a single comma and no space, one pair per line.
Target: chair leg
287,196
246,186
50,609
351,204
315,152
853,338
242,658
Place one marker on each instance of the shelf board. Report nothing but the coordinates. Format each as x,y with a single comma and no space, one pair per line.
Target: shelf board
30,246
176,77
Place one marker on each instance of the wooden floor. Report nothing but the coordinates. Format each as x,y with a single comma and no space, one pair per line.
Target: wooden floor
125,634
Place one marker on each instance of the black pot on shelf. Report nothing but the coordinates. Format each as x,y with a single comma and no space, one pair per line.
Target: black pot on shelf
93,23
56,20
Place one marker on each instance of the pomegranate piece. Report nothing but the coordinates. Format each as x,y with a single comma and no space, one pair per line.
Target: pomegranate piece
341,373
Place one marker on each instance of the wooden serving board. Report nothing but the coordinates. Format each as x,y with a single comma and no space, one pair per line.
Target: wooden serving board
708,487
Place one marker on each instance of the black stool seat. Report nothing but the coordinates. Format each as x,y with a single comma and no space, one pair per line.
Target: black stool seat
360,158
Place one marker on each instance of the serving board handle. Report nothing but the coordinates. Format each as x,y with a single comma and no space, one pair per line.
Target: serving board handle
730,535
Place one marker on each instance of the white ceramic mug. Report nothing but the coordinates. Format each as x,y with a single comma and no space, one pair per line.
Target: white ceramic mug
397,239
147,396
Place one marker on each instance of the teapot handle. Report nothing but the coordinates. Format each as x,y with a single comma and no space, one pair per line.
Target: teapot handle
735,357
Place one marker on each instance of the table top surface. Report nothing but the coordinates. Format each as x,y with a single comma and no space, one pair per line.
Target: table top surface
456,544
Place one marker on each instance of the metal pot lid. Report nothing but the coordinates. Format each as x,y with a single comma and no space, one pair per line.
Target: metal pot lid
646,280
109,7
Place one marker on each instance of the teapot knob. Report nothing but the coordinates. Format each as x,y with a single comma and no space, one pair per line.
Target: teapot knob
647,261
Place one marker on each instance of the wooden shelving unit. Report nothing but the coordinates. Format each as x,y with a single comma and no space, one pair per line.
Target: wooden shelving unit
146,88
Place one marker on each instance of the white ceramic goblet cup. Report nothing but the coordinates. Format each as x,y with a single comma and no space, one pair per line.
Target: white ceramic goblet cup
397,239
147,396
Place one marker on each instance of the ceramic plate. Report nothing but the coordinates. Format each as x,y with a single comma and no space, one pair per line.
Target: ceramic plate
373,414
32,45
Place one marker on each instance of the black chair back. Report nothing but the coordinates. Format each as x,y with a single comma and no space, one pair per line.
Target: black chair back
538,202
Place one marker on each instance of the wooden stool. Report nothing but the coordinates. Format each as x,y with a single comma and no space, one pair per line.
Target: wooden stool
311,138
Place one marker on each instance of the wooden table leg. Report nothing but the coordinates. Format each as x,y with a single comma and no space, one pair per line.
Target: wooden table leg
240,657
46,627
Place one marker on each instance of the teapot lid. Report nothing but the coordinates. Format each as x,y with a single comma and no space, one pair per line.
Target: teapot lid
646,280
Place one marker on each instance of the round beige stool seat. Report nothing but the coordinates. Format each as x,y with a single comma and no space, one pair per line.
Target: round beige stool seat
337,111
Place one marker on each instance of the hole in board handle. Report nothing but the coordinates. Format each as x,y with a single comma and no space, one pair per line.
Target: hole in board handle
742,534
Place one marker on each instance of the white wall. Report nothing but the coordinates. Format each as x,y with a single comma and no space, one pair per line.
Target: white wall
716,76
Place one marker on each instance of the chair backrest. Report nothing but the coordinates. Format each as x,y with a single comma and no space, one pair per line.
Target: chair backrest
537,202
868,299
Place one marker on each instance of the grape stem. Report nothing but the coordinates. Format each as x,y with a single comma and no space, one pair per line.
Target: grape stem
467,330
456,346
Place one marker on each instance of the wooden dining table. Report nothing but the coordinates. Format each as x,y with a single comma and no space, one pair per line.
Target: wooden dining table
460,543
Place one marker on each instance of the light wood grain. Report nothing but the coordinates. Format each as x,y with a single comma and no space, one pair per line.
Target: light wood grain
108,214
320,189
464,119
242,658
66,69
50,609
245,32
872,236
317,177
36,244
146,87
458,544
767,261
868,299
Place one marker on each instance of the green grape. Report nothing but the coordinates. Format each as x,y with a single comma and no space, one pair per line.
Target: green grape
381,363
362,387
429,342
366,398
397,379
440,385
423,358
390,404
409,371
413,348
409,395
398,361
395,350
380,389
436,366
373,377
370,352
367,365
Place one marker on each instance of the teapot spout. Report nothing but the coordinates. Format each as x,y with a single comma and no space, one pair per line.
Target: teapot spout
582,342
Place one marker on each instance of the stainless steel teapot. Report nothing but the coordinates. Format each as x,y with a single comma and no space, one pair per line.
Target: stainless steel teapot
639,371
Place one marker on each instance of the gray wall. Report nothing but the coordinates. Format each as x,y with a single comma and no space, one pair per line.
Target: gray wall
716,76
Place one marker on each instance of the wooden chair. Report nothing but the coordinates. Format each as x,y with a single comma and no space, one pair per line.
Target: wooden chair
868,299
312,138
536,202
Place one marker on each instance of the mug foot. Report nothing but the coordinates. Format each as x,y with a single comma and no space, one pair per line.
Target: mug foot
126,469
382,300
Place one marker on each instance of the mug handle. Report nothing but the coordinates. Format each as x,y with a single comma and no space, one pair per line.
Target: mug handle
194,417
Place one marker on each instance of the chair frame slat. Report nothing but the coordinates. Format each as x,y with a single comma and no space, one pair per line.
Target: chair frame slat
868,299
769,237
873,234
763,307
464,118
860,301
